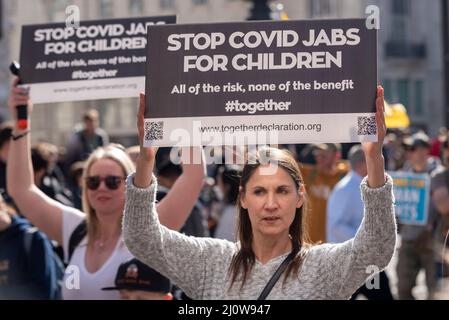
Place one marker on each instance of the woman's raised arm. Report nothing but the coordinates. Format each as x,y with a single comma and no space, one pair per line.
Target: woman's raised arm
176,206
44,212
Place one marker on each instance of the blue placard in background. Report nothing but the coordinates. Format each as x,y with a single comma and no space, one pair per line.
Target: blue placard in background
411,192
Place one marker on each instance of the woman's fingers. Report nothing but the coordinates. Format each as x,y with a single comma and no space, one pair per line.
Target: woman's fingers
15,82
380,99
18,100
15,90
19,91
380,112
141,112
142,104
18,96
379,123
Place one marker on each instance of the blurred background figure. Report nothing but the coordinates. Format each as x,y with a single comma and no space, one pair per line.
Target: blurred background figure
345,206
416,251
439,189
86,139
167,175
5,137
44,157
56,158
278,11
437,142
75,183
319,181
228,182
345,213
137,281
394,151
29,268
212,200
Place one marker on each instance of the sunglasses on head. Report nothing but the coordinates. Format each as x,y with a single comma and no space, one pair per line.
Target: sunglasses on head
111,182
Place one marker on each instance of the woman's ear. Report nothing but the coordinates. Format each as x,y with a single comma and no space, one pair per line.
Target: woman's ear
302,193
243,202
242,198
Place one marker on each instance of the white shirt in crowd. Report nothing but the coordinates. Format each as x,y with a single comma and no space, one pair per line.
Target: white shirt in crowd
90,284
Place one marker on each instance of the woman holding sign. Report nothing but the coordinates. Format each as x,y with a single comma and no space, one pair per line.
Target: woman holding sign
96,250
270,230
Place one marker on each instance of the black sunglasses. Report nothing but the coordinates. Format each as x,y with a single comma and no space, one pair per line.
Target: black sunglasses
111,182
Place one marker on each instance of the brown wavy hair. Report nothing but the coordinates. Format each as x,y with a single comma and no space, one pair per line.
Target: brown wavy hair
243,261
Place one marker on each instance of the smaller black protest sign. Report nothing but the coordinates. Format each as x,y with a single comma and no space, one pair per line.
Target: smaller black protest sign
100,59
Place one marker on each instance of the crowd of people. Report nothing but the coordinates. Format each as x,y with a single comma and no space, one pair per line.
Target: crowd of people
106,221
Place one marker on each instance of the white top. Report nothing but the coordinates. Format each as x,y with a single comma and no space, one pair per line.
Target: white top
90,284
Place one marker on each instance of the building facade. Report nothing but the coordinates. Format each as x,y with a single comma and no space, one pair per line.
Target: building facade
411,59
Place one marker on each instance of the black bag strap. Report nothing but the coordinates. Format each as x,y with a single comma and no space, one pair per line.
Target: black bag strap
75,238
276,275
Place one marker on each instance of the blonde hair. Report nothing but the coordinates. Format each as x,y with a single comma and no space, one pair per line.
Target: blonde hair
113,152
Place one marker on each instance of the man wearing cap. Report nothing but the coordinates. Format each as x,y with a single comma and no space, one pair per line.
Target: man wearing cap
319,181
137,281
417,247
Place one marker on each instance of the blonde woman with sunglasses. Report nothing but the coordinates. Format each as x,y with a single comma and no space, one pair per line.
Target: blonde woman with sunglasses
94,262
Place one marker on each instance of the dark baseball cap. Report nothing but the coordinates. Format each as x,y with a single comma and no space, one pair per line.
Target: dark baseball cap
135,275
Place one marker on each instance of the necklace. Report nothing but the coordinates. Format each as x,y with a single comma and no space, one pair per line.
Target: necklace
102,244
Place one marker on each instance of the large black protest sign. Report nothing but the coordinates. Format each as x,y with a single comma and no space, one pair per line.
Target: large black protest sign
100,59
302,81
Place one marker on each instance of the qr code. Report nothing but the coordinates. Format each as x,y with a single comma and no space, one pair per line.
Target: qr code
154,130
366,126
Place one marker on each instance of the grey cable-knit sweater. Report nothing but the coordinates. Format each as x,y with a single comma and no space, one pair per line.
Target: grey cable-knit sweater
199,266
